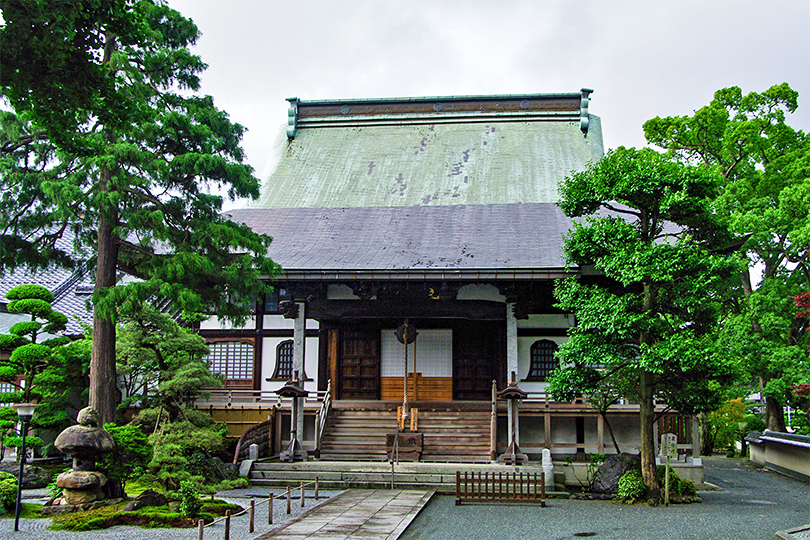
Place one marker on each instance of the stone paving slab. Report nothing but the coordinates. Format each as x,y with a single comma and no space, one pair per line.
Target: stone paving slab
379,514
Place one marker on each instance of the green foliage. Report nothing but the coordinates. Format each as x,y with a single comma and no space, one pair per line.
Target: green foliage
645,326
28,358
180,446
8,491
631,486
160,362
765,167
190,504
111,516
120,146
753,423
132,453
725,423
677,485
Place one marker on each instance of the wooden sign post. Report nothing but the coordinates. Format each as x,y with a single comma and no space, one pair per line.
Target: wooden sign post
669,448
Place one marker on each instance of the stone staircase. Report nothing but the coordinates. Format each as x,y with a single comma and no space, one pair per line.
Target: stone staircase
453,433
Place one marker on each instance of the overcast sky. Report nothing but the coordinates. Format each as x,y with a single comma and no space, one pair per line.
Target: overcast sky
643,58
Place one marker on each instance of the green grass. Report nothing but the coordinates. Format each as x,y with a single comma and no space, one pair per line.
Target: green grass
28,511
150,517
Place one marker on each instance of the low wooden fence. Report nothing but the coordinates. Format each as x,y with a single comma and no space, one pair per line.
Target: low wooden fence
252,511
501,487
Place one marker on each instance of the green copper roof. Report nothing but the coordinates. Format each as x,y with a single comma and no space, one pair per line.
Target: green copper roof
419,162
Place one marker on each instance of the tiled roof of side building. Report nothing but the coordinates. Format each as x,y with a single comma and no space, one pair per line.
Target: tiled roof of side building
470,238
431,151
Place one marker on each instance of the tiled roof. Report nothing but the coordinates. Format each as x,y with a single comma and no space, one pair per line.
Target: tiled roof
446,157
505,237
72,290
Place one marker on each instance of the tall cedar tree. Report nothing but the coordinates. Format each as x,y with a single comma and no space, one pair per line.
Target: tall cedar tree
765,165
648,229
112,145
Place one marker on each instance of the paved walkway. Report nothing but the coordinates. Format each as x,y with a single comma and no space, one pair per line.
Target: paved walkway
378,514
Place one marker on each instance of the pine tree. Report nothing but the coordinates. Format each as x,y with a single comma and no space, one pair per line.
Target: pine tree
112,146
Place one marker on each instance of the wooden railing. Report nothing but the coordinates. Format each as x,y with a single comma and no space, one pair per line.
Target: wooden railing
259,435
501,487
323,416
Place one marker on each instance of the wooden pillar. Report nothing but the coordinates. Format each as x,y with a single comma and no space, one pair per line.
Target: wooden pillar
547,429
695,437
600,434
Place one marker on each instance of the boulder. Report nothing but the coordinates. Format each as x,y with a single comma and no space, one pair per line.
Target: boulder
79,480
614,467
33,477
150,497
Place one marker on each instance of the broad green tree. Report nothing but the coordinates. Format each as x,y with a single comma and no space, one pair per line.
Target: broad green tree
765,194
646,225
112,149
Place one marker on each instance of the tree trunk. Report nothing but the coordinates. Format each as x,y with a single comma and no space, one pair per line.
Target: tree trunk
103,388
647,420
776,415
706,435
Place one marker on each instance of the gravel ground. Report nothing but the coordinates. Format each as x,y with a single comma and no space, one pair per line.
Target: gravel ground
752,504
37,529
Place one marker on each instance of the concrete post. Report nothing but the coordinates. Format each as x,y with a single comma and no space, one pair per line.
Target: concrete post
299,350
511,339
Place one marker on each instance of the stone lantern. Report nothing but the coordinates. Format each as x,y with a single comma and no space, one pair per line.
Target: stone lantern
295,451
512,394
84,442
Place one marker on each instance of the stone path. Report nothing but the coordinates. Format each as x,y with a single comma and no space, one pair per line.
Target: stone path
379,514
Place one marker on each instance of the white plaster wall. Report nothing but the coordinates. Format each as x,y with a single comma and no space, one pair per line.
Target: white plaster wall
215,323
479,291
547,320
278,322
340,292
434,354
269,363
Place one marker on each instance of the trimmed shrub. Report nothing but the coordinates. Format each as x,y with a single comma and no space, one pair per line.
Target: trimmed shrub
8,491
631,486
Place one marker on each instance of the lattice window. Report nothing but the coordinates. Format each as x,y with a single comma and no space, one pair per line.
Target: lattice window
543,361
284,360
233,360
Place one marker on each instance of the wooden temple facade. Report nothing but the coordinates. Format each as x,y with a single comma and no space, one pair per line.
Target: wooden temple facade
438,213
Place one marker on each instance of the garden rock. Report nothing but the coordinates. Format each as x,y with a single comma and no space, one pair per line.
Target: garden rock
150,497
33,477
614,467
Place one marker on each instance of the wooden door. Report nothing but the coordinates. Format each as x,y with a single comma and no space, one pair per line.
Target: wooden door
476,359
360,364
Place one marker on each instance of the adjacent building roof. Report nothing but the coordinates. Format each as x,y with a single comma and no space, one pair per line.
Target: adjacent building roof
72,291
493,241
434,151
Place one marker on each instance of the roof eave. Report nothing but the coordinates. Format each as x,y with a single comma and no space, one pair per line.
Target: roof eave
429,274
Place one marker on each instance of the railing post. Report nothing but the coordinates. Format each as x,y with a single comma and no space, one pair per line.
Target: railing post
289,508
316,488
302,493
227,525
252,515
200,525
493,424
270,509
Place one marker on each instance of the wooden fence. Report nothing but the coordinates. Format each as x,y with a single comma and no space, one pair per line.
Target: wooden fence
501,487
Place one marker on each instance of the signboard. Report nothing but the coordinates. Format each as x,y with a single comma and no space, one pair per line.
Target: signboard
669,445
